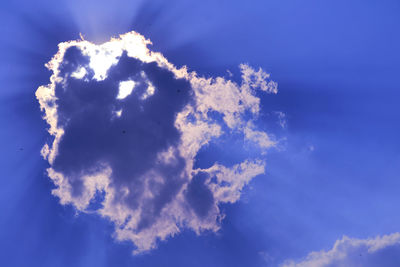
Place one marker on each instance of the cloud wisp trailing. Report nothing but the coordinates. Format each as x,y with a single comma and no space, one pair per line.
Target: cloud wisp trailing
372,252
127,126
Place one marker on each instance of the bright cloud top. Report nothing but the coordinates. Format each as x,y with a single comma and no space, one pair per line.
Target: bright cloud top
127,126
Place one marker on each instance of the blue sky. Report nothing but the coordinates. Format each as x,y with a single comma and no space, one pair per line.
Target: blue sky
334,172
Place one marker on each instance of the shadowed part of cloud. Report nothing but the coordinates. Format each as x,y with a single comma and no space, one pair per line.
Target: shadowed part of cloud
198,195
127,126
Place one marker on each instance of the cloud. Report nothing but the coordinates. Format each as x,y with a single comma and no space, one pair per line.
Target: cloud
127,126
282,119
372,252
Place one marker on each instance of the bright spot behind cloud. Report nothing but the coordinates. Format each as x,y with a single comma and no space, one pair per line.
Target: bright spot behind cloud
125,89
127,127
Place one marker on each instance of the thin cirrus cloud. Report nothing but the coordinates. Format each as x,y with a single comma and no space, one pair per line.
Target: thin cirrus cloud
127,126
372,252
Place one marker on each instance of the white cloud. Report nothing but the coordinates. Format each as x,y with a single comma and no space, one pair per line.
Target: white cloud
259,137
80,73
377,251
140,152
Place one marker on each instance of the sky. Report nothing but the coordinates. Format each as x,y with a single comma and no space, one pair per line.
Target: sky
275,146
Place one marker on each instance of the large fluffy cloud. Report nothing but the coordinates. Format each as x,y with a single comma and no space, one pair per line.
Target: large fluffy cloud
371,252
127,126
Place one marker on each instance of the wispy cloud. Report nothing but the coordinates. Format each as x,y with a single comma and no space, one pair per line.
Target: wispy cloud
378,251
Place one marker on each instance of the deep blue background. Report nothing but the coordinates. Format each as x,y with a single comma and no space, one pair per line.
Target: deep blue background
337,171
